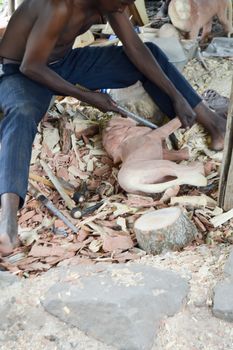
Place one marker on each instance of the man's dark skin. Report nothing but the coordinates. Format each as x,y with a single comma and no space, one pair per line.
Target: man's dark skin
45,32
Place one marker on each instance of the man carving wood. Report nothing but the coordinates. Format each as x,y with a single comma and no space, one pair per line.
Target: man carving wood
38,62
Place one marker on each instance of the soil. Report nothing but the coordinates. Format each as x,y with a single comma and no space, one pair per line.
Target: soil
25,325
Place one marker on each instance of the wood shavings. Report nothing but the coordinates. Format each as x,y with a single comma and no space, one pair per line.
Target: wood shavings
218,78
81,164
28,235
117,241
195,140
138,201
95,246
122,209
127,277
51,139
107,234
194,201
122,223
222,218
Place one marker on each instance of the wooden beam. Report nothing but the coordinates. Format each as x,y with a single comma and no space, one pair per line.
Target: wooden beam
225,199
11,7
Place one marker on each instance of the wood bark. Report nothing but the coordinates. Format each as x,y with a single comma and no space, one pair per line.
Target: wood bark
65,135
164,229
225,199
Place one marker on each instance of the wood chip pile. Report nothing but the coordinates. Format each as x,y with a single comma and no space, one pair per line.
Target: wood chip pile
69,142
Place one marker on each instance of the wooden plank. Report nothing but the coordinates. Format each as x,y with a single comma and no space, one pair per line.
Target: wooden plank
225,199
138,11
141,8
11,6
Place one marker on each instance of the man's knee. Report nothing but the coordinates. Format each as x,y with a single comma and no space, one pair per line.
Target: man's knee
25,113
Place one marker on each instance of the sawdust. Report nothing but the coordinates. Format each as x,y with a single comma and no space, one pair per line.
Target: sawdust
127,277
194,327
218,76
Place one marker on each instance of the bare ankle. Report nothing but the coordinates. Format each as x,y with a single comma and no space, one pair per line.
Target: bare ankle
210,120
8,223
9,205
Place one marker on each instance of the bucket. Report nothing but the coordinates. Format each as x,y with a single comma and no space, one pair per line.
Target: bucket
171,47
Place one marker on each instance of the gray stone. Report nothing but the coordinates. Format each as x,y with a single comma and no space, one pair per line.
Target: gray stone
6,322
223,300
6,279
119,305
229,266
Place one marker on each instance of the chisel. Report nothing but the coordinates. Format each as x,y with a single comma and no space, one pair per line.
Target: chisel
136,117
127,113
48,204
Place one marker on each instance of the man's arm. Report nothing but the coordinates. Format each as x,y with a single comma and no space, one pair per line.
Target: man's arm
40,44
143,59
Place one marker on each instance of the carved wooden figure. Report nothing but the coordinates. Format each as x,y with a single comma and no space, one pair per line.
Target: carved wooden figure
192,15
147,164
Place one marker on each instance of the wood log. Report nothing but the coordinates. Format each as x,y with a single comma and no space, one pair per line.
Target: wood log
164,229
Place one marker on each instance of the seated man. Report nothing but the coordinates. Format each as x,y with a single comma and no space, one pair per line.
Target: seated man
38,62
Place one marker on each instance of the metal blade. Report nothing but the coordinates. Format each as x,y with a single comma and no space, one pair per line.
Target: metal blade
136,117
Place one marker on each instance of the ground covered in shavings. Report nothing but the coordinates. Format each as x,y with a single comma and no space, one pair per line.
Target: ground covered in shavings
69,141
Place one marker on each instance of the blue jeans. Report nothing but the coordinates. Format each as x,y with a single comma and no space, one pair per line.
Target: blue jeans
24,102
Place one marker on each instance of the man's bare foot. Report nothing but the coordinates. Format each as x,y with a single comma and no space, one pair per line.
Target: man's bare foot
217,143
6,245
8,237
213,123
8,225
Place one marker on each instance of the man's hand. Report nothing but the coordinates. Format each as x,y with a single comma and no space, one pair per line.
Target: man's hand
101,101
138,54
184,112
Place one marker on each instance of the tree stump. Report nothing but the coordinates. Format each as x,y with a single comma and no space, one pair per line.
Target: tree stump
164,229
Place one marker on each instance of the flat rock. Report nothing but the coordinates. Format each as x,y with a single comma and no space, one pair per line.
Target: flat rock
120,305
229,266
6,279
223,300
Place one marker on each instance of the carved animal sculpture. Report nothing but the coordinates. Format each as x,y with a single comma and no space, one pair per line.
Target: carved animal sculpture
147,164
192,15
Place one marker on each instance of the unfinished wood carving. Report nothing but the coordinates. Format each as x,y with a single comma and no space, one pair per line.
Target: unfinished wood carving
147,164
192,15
